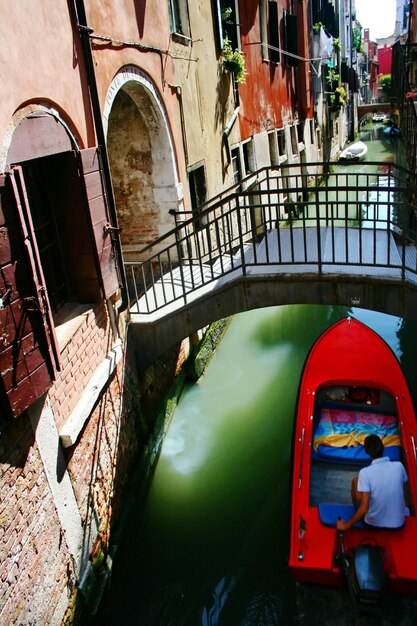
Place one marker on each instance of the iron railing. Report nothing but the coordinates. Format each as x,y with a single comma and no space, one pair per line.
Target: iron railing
281,219
404,58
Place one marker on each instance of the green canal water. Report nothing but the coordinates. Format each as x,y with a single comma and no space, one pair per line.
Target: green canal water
211,546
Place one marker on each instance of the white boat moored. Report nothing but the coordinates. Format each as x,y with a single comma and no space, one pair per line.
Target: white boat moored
379,117
355,152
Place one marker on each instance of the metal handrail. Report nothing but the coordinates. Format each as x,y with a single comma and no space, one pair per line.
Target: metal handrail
400,87
252,227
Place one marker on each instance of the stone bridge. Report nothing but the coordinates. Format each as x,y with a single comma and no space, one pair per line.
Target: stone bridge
350,241
375,107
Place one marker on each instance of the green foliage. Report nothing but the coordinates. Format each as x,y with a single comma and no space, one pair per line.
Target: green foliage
317,26
337,46
357,42
226,13
338,98
234,61
332,76
385,83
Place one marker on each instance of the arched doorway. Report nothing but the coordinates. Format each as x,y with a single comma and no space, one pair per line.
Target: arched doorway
142,160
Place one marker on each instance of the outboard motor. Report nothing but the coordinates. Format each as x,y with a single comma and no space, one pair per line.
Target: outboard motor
363,568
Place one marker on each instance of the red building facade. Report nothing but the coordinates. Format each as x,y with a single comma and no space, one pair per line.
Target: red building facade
384,59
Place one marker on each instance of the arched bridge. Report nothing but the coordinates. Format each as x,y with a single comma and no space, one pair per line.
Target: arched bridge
376,107
283,236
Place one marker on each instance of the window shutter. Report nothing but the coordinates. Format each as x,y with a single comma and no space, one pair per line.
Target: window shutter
290,38
344,72
28,352
273,31
99,216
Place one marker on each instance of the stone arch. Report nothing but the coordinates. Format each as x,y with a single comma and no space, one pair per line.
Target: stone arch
35,131
142,160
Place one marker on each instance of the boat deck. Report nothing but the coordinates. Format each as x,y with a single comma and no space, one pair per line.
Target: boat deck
331,482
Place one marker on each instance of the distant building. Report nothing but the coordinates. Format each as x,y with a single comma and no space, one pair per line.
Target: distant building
401,19
384,58
371,52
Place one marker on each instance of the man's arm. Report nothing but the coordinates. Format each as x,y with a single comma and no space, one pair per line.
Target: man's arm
360,512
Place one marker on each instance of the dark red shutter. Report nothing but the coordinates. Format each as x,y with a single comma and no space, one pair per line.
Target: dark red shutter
290,39
273,28
100,218
28,352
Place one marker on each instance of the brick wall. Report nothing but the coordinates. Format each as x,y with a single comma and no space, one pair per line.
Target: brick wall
37,571
99,464
34,558
81,356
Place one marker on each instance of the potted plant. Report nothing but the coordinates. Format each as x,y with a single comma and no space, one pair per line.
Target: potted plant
357,39
338,98
234,61
337,46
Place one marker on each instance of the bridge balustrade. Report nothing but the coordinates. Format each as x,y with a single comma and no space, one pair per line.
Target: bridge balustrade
283,220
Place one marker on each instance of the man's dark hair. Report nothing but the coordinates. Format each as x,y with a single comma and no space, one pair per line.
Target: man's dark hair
374,446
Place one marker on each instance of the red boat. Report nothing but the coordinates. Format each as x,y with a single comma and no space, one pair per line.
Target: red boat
352,385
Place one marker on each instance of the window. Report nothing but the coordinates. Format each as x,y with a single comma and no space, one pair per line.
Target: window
290,39
318,131
300,132
198,192
237,169
61,252
273,148
312,132
317,15
178,17
228,23
269,30
281,141
68,211
294,142
248,157
344,72
50,231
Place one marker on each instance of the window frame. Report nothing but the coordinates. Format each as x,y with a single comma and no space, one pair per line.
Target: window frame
290,37
192,185
236,38
269,37
248,152
179,19
236,161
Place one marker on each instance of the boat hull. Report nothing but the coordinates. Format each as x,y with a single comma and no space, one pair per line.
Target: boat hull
349,353
355,152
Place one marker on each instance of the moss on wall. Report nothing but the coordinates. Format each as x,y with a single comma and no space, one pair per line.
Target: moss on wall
204,352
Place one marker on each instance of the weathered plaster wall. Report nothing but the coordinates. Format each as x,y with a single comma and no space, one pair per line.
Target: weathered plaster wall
205,93
131,158
274,84
42,46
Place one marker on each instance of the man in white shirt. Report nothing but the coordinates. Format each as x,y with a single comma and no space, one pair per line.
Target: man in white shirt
378,490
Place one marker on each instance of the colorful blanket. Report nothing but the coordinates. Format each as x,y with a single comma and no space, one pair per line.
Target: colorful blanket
340,428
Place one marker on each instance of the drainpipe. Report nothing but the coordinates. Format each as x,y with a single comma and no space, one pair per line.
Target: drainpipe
228,129
80,19
178,91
